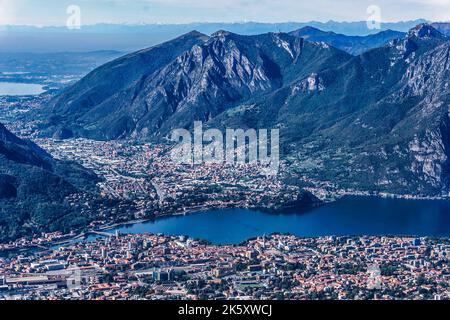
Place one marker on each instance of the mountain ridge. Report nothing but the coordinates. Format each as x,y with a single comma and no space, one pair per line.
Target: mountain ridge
354,45
236,48
129,38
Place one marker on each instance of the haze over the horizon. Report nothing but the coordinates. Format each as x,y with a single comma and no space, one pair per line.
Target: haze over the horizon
54,12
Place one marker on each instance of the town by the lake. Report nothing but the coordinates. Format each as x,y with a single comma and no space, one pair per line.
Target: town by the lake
97,263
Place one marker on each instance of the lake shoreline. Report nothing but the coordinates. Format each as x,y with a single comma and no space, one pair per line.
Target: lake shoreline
296,212
20,89
266,214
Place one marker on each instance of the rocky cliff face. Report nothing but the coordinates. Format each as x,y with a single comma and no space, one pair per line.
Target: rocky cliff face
405,135
199,83
109,85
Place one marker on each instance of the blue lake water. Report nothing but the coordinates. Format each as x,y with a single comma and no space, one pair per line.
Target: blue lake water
348,216
20,89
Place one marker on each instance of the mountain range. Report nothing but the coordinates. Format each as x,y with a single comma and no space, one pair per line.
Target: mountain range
375,121
133,37
443,27
352,44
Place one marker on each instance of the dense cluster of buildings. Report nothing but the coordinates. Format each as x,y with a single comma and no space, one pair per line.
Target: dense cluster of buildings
146,175
12,109
274,267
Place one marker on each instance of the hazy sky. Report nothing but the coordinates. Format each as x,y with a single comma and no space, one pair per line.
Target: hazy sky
53,12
